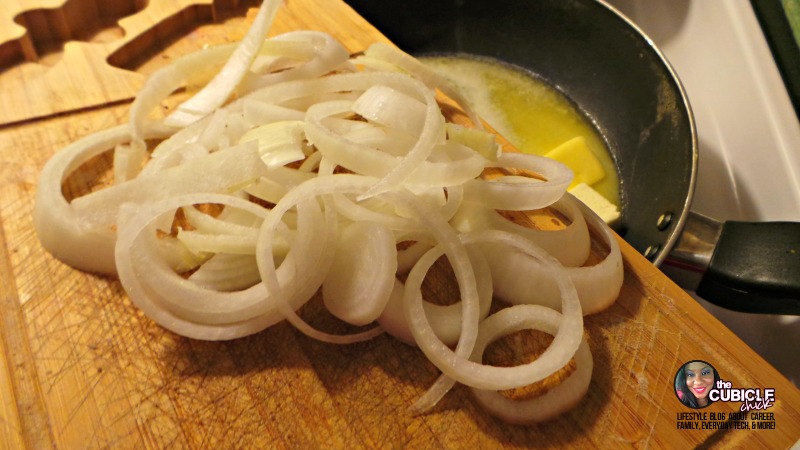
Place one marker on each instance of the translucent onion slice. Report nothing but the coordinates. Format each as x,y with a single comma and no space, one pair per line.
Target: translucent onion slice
406,113
366,160
194,68
598,285
409,256
177,157
221,172
415,179
238,244
177,256
569,245
328,55
557,400
258,112
381,138
276,182
461,369
220,88
449,244
226,272
277,53
164,156
279,143
391,320
372,210
444,319
313,264
60,229
238,224
481,141
360,280
213,134
432,133
518,193
173,302
183,306
428,75
455,196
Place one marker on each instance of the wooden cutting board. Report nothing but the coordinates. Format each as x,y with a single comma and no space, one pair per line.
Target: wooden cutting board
80,367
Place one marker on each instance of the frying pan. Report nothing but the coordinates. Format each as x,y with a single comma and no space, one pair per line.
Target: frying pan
623,84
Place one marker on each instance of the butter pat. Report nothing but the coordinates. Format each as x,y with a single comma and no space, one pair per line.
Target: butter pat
576,155
596,202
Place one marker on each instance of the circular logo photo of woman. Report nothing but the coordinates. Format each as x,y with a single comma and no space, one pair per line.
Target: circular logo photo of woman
694,381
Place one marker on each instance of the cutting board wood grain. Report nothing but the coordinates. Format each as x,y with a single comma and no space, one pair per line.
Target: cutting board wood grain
64,55
81,367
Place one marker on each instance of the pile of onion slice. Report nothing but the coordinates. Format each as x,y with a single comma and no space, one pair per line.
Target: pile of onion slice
337,175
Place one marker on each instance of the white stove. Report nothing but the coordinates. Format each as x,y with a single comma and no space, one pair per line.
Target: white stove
749,134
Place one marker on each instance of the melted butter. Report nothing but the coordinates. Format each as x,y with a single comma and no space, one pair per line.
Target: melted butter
529,113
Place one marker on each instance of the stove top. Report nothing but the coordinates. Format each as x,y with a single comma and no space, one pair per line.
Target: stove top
747,125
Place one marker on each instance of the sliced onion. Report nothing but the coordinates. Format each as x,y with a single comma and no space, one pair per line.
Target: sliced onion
313,264
428,75
407,114
276,182
59,228
221,172
240,225
408,257
173,302
445,320
257,112
227,272
598,285
360,281
219,89
569,245
518,193
432,133
372,210
195,67
365,160
559,399
328,55
413,179
467,372
279,143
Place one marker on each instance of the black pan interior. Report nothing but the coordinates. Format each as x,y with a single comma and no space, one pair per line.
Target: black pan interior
599,61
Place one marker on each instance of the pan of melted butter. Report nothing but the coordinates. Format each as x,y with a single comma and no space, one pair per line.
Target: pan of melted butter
530,113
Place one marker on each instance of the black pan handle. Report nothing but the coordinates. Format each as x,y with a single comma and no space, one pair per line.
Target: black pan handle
755,267
751,267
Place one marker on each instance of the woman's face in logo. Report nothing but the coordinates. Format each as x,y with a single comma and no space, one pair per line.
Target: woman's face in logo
699,378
